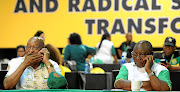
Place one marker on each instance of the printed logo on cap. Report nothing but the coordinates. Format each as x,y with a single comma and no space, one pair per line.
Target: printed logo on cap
170,39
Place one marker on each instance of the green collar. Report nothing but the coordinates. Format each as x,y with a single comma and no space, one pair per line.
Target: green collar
42,64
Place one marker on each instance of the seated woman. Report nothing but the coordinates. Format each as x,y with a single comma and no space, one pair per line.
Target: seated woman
55,55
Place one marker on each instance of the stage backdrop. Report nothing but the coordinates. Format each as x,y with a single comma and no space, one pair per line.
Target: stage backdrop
151,20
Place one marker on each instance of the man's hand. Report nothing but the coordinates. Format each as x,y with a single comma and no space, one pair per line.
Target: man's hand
147,85
46,55
167,65
149,63
31,59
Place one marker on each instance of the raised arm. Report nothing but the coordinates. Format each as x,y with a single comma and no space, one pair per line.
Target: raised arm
51,69
12,80
155,82
46,61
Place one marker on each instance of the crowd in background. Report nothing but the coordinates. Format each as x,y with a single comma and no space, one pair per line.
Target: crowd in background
105,53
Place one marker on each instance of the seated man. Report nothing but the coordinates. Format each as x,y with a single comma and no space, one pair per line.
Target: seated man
169,55
153,76
126,47
35,70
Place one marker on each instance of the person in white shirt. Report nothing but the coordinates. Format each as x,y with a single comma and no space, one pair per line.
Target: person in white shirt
35,70
152,75
20,53
105,50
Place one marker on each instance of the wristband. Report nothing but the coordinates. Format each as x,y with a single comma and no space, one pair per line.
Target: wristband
49,66
150,74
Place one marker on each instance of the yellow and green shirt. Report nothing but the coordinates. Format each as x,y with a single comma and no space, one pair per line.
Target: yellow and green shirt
174,59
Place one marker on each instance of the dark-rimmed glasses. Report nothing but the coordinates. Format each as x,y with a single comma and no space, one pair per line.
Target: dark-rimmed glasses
142,55
33,48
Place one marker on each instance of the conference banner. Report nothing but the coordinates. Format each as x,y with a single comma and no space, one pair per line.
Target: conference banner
151,20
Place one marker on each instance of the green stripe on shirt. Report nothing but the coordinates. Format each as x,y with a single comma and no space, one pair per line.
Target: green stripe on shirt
164,75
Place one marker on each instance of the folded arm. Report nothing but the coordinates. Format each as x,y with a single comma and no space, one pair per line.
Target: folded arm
123,84
157,84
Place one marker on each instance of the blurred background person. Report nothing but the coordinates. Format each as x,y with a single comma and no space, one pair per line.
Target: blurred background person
77,51
169,57
20,51
40,34
68,42
126,47
55,55
105,50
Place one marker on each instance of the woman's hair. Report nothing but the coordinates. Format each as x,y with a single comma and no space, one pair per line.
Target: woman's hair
38,33
20,46
75,38
54,53
105,35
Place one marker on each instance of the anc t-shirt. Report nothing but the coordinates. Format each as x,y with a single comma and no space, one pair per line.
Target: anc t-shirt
174,59
127,47
130,71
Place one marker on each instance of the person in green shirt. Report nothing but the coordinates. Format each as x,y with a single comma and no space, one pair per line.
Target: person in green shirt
77,51
169,57
153,76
